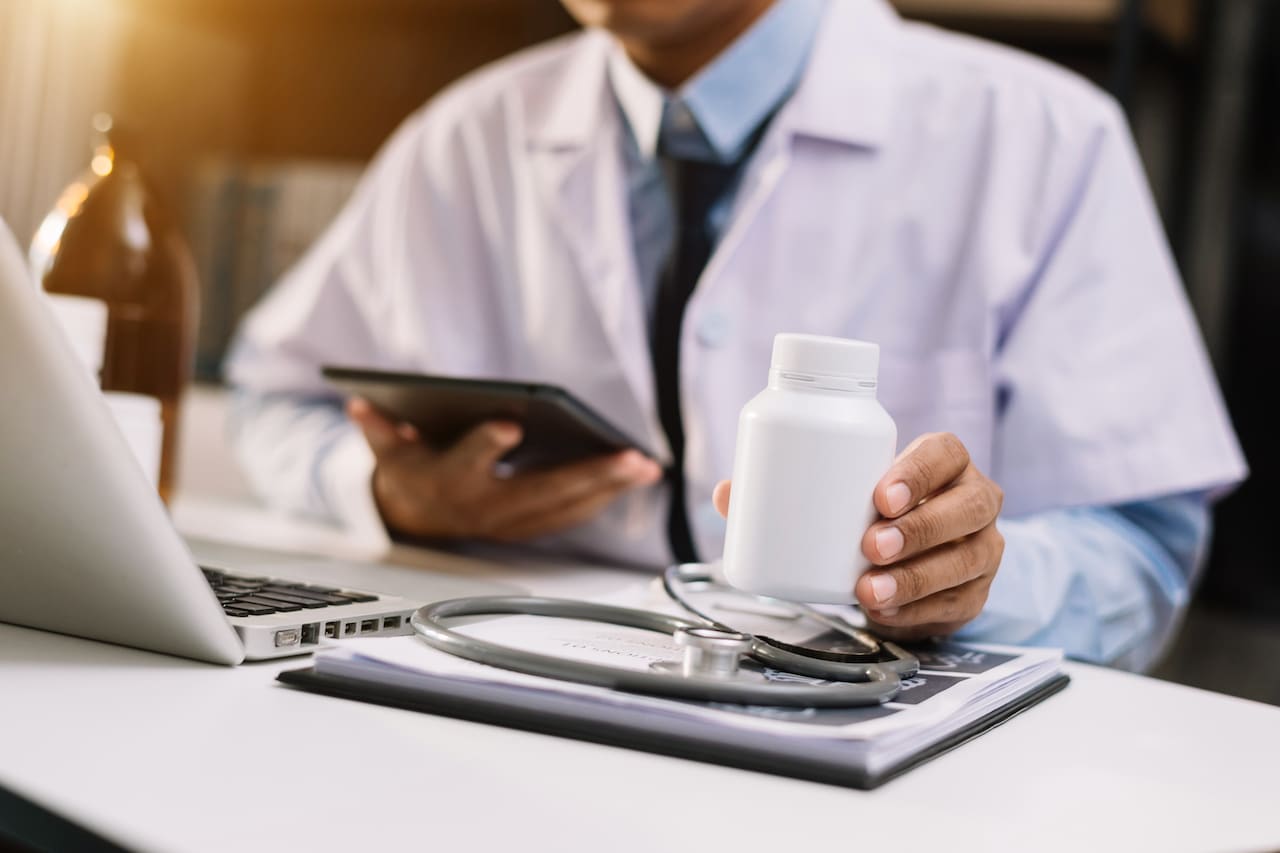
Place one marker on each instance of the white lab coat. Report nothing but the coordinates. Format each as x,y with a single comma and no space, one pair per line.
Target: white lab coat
980,214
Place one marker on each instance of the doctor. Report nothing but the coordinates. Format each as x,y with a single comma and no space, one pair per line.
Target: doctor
635,210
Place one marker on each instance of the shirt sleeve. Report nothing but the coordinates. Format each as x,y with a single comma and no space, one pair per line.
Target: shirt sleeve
301,454
1106,584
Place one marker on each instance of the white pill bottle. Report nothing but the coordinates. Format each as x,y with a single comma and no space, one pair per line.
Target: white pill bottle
811,449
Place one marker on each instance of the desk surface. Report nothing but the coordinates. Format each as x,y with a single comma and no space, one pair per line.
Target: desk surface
163,754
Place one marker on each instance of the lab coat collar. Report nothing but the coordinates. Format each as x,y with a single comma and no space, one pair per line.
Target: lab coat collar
568,110
847,92
639,99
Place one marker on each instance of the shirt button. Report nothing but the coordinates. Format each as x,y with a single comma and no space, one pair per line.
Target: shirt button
713,329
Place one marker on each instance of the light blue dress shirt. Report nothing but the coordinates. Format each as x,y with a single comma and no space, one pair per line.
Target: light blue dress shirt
710,118
1107,584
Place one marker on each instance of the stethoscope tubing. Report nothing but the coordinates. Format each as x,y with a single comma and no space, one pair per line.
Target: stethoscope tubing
880,684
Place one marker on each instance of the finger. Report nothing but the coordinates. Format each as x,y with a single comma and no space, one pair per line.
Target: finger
930,464
379,431
720,497
957,605
562,517
480,449
533,493
972,503
942,568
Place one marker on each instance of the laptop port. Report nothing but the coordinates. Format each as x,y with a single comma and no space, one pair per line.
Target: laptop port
311,634
287,637
391,623
368,625
331,630
348,629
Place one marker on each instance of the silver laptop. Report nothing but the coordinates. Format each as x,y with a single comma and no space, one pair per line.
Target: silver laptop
86,545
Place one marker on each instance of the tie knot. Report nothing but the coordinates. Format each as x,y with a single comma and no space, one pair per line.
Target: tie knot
697,174
681,137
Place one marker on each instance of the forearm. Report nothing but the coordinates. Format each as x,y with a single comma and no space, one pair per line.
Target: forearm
302,455
1107,584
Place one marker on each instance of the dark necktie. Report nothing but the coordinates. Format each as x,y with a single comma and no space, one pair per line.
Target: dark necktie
695,188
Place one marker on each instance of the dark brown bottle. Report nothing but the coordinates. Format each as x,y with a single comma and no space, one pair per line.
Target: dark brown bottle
109,238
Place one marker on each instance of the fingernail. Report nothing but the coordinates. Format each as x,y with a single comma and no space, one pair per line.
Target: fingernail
888,542
887,611
883,586
897,497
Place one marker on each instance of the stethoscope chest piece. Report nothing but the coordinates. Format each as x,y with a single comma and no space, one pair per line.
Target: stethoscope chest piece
708,653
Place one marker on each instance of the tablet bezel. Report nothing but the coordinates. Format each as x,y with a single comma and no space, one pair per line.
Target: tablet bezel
559,428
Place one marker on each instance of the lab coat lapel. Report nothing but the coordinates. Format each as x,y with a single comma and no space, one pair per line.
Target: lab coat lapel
576,157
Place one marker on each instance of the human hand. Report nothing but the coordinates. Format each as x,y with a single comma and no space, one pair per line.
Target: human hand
455,493
936,550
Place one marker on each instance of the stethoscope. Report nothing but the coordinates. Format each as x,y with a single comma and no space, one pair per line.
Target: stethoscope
856,669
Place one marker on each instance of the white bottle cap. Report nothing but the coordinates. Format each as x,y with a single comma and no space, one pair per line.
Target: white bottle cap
822,356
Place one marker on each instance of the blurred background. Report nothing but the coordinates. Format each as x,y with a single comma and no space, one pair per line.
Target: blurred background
253,119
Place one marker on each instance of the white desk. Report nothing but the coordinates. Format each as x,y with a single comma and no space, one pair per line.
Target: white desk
162,754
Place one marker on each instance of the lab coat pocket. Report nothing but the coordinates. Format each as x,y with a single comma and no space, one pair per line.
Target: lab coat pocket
946,390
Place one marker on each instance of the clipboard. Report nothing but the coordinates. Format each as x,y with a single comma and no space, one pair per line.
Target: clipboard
699,742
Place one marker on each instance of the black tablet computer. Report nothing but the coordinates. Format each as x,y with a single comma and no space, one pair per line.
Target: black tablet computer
558,427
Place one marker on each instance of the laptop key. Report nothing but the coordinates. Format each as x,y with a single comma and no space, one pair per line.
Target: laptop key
271,594
232,611
327,590
306,588
254,608
281,606
324,598
358,596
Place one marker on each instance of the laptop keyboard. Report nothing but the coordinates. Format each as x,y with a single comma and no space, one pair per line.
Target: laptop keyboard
245,596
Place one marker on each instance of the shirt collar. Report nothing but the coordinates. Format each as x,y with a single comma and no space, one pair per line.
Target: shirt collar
733,95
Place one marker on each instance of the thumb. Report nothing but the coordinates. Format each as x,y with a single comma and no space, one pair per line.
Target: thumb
380,432
720,497
482,447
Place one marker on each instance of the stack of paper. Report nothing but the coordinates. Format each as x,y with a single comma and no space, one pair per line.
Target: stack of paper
960,691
